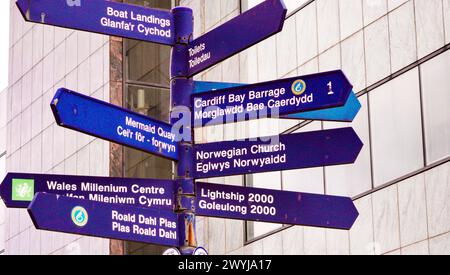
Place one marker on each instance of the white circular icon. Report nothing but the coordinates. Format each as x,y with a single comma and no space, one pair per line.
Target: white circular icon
200,251
172,252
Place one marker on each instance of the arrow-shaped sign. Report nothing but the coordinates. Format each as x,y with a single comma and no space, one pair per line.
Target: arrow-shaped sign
97,118
17,190
274,98
346,113
208,86
113,221
274,206
236,35
104,17
277,153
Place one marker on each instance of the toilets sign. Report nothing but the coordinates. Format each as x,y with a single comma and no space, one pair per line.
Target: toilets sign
236,35
104,17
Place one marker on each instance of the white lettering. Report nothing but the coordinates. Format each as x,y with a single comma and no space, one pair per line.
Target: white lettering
73,3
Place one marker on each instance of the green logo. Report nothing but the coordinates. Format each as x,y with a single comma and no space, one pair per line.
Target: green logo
22,189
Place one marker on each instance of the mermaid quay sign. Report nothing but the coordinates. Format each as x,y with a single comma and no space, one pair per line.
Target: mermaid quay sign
101,119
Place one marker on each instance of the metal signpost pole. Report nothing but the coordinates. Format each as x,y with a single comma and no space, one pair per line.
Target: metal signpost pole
181,90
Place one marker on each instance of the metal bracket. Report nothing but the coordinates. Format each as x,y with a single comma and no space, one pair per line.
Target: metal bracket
185,165
185,187
185,203
179,68
181,92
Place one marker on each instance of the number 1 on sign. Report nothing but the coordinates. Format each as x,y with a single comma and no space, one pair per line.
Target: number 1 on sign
330,88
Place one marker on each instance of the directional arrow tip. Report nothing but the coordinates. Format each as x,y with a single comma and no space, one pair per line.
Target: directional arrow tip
24,8
54,103
354,215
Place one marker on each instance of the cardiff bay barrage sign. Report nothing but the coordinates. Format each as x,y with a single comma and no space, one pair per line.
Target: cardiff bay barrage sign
286,96
163,212
345,113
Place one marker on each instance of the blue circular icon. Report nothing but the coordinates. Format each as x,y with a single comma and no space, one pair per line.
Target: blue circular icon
298,87
79,216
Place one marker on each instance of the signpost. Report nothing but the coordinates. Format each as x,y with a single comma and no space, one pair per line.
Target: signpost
277,153
273,206
163,212
286,96
104,17
236,35
18,190
346,113
114,221
97,118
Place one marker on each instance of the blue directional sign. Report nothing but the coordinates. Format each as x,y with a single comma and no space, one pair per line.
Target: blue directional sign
207,86
97,118
346,113
17,190
274,98
262,205
101,16
277,153
236,35
113,221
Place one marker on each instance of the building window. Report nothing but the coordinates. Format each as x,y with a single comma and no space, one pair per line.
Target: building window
436,107
147,91
353,179
270,180
396,128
